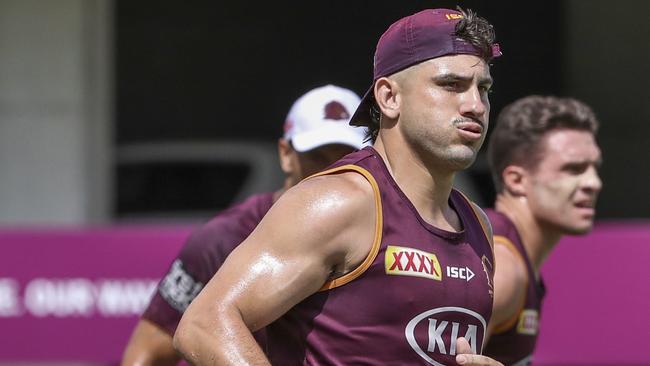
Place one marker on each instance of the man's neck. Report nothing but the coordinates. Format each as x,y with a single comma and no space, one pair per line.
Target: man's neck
537,240
426,188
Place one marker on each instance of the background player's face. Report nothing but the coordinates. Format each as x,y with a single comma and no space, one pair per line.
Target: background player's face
299,165
444,111
562,189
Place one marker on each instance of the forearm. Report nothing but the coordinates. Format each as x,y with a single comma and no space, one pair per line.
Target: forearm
229,343
149,345
145,357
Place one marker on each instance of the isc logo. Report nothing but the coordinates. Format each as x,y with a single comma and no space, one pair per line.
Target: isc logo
460,273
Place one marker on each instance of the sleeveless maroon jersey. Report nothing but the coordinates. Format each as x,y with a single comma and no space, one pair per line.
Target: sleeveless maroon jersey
420,288
200,258
514,341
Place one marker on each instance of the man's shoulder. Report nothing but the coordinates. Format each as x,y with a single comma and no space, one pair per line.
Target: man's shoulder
502,225
255,205
345,184
245,213
326,203
231,226
333,214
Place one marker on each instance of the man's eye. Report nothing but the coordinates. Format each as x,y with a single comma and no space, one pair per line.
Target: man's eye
453,86
576,168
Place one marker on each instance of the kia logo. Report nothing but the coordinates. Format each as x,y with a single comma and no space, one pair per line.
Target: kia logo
443,326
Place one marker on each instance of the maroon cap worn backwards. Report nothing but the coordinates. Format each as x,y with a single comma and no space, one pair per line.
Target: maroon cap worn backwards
411,40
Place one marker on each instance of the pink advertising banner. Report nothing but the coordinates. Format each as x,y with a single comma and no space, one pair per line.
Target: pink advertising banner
597,305
74,295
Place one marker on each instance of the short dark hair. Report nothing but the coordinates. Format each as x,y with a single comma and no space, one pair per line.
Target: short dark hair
474,30
521,125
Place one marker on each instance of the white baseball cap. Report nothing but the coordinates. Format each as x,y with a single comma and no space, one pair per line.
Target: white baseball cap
321,116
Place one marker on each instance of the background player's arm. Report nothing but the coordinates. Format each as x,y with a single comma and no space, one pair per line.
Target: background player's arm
322,227
510,279
151,340
150,345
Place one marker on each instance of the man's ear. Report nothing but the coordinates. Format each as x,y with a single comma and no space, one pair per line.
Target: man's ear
285,154
514,180
387,97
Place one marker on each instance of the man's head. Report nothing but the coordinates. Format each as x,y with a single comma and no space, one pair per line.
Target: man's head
431,74
543,151
317,133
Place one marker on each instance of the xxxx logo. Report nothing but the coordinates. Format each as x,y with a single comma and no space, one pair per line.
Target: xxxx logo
412,262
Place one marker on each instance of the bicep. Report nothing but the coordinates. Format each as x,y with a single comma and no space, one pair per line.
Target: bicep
262,280
288,257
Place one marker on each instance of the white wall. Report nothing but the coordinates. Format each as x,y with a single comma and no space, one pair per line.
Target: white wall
54,111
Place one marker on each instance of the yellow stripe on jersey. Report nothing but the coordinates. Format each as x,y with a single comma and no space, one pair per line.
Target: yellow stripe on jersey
340,281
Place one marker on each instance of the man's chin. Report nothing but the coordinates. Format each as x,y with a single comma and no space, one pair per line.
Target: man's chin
458,165
579,229
463,160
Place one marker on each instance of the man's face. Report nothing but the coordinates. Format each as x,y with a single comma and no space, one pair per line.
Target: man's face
444,111
563,187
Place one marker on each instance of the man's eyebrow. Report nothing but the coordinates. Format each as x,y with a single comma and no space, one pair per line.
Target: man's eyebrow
597,162
485,81
451,78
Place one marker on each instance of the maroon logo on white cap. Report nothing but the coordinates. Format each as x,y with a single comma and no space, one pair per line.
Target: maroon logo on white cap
287,125
336,111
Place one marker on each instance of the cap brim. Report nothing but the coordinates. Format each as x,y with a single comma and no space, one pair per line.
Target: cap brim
361,116
329,135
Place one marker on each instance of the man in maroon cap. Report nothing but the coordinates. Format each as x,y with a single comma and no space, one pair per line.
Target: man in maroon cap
376,261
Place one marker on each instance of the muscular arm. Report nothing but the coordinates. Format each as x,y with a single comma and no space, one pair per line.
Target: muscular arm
320,227
150,345
198,260
510,281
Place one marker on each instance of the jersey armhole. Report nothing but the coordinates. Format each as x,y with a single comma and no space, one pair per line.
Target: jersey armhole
509,323
374,250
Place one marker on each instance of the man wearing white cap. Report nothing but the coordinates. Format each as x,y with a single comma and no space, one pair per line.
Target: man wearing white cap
316,133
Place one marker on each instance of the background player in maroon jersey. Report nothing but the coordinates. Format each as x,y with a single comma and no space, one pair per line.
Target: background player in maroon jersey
544,160
430,97
316,134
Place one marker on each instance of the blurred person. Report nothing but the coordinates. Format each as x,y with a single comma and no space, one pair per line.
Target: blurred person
544,160
349,266
316,134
